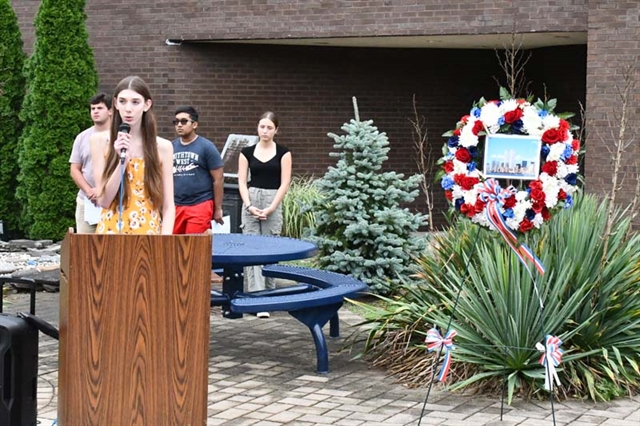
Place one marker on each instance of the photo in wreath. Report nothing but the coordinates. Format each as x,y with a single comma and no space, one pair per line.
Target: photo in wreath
512,156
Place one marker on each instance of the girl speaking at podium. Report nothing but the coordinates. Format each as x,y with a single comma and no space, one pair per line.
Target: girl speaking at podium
134,173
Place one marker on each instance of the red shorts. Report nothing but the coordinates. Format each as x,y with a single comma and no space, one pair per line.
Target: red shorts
194,219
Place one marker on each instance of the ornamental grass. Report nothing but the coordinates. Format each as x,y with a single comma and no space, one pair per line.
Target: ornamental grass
297,218
591,296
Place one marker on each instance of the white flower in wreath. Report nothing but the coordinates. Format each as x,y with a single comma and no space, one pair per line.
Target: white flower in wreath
471,196
459,167
467,138
567,188
508,105
538,220
555,152
457,191
490,114
481,219
531,121
550,121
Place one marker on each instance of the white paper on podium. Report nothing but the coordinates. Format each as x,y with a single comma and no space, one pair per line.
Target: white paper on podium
91,212
222,229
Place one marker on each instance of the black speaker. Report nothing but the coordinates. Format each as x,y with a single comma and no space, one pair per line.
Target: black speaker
18,363
18,371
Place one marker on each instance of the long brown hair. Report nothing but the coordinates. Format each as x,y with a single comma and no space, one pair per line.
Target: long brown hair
152,167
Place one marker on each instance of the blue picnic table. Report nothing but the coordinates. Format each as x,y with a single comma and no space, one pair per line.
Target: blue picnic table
232,252
314,301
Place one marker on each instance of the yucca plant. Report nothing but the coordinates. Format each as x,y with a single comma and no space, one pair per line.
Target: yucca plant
297,217
610,317
590,301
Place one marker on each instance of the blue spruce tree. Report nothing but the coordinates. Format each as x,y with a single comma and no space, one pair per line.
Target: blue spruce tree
362,228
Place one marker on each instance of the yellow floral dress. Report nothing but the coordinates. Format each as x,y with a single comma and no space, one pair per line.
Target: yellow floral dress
139,216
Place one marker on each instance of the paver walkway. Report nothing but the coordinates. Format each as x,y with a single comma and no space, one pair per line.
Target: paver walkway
262,372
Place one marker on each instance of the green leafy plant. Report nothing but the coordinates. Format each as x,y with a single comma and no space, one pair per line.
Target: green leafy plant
61,77
298,218
12,90
361,227
592,303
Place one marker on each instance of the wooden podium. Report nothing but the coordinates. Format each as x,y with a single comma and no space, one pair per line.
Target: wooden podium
134,329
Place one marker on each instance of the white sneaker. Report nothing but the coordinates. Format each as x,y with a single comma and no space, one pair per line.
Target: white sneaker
263,315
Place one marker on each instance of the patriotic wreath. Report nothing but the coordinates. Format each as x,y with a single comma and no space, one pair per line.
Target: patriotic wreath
520,210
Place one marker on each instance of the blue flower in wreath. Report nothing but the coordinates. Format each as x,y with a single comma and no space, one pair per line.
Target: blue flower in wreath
543,113
453,141
501,121
459,202
544,151
530,214
516,126
447,182
568,202
475,111
571,178
568,152
471,166
508,213
473,150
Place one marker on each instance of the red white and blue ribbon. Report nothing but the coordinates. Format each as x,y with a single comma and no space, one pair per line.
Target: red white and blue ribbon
434,342
550,359
491,194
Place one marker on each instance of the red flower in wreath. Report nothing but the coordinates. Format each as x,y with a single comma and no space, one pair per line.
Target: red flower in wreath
552,136
550,168
526,225
513,116
463,155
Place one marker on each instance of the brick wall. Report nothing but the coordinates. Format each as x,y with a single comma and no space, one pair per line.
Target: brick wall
614,47
311,87
339,18
266,19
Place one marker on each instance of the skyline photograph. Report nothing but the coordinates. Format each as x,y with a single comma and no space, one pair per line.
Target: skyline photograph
512,156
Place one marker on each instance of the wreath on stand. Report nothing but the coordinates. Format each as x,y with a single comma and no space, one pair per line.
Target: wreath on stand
520,209
553,175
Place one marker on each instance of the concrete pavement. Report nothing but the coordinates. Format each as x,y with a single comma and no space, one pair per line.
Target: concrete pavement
262,372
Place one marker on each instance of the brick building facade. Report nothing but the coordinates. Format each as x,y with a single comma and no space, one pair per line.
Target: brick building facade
305,59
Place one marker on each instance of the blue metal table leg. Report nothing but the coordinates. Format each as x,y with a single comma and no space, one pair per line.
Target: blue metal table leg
322,352
315,319
334,326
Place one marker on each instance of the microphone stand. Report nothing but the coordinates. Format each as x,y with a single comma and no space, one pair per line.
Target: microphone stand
123,128
120,223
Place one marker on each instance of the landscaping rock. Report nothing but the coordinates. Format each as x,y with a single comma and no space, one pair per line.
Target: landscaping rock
38,260
7,268
49,277
27,244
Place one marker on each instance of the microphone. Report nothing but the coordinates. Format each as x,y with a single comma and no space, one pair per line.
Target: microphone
124,128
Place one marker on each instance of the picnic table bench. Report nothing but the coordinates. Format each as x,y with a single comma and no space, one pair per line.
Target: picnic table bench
313,302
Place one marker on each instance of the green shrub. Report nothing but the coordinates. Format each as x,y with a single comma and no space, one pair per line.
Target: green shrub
298,218
12,90
591,301
61,77
361,227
